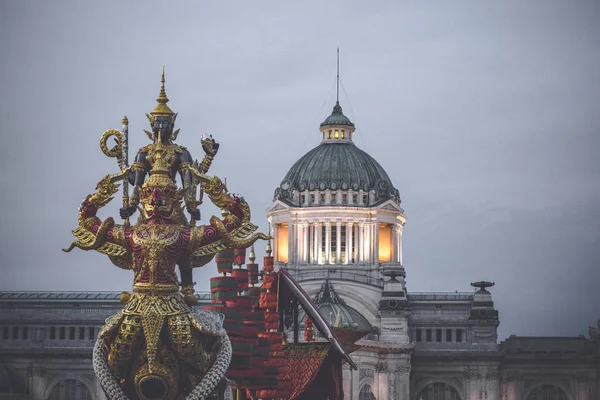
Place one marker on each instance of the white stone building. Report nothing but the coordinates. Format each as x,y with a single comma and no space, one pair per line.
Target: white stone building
336,216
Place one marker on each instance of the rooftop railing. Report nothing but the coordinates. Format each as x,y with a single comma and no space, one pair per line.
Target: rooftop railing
336,274
440,296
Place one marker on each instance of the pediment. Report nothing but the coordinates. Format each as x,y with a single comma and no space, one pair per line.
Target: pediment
391,206
277,206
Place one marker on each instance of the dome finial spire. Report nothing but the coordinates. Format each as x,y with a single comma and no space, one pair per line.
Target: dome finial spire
337,92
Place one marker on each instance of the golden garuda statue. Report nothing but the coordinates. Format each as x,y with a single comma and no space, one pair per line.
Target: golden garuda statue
158,347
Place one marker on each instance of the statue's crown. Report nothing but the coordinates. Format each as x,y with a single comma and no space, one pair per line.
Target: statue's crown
161,109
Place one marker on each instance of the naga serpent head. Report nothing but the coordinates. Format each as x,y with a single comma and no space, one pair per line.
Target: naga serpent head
106,188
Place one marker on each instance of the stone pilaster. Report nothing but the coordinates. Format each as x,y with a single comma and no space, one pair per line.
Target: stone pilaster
38,382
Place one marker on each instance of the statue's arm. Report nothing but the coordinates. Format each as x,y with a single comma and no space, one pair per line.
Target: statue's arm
233,230
95,234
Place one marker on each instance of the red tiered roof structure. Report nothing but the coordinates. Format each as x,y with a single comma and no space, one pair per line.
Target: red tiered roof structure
264,364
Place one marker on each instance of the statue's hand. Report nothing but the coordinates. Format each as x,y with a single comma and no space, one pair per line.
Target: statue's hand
209,146
126,212
194,213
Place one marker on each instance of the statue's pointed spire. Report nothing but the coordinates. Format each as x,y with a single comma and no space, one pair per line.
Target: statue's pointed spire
162,109
162,96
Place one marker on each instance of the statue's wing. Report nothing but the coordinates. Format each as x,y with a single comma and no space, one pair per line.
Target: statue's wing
118,254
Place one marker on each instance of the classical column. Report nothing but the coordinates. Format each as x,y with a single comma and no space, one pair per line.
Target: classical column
375,231
368,242
399,242
315,243
355,383
361,241
38,381
291,245
348,242
347,381
327,242
338,241
356,232
274,232
306,245
319,239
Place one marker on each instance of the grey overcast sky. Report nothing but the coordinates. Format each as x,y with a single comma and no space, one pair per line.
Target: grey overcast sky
485,114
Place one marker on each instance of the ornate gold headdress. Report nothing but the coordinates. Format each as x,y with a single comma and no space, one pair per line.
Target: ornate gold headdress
162,109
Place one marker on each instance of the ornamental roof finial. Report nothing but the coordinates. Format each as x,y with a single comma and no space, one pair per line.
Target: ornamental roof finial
269,249
252,255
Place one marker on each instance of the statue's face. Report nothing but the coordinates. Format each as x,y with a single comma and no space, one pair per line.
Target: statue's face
163,126
159,202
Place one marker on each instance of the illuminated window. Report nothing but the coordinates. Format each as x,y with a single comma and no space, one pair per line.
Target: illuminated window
343,134
330,134
385,242
282,242
337,134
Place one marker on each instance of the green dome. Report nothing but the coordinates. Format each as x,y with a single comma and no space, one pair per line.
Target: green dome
337,117
334,309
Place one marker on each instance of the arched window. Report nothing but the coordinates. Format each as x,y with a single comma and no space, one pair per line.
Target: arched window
438,391
366,393
547,392
70,389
